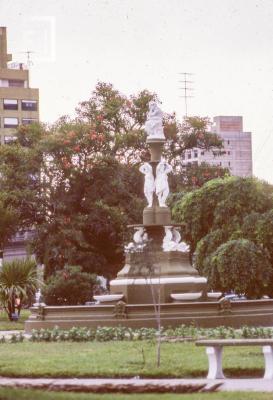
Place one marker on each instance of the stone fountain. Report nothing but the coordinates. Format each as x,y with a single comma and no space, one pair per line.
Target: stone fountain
182,292
173,275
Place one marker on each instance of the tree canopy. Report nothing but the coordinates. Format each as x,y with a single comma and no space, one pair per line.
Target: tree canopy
224,214
77,182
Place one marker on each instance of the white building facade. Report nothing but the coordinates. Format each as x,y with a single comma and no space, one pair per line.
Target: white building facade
236,155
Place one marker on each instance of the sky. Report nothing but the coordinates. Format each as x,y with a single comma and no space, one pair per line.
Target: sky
146,44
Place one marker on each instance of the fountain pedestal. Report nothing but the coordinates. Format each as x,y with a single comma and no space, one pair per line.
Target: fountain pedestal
172,272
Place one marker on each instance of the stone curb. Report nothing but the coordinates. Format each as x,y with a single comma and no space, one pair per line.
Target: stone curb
136,385
114,385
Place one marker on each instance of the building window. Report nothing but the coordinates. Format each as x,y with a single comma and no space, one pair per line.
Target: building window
4,83
16,83
195,154
228,142
10,122
189,155
29,105
10,104
202,153
229,163
28,121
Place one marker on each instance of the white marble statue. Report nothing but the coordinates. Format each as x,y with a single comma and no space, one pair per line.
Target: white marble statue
38,296
153,125
161,182
149,182
172,240
140,239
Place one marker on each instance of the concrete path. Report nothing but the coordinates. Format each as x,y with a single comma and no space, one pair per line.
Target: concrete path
140,385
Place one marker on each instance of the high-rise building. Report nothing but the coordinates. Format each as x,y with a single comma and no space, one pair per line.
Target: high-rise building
236,155
19,104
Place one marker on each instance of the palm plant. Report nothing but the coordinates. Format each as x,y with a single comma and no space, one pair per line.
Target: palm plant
18,281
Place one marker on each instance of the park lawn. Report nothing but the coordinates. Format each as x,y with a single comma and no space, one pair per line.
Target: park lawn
6,325
26,394
121,359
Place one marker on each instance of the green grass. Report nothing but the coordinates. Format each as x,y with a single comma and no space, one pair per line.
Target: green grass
121,359
25,394
6,325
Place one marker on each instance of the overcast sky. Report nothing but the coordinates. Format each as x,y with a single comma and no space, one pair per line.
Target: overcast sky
145,44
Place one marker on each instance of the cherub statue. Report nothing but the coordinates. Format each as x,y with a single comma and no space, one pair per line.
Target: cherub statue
161,182
153,125
149,183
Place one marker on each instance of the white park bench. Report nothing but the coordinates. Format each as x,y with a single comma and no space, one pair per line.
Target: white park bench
214,350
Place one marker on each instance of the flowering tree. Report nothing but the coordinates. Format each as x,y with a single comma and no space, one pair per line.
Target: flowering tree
78,182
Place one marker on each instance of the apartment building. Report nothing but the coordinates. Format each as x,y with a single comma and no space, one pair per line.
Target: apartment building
19,104
236,155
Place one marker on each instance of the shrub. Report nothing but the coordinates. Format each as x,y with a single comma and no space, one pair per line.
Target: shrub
69,286
122,333
18,282
240,266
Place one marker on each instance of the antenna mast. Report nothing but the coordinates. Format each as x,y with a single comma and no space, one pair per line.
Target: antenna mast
28,53
186,90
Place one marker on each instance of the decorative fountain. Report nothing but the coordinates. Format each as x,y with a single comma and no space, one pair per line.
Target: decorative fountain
173,276
182,291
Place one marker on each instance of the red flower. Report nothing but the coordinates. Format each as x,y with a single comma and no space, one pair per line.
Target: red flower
93,135
101,138
77,148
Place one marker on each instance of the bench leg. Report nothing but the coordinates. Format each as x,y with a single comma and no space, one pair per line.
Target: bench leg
215,362
268,360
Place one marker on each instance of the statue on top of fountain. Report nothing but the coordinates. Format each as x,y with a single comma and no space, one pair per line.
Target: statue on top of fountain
153,125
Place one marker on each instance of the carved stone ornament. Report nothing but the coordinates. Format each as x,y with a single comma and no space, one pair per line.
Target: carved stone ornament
172,240
41,312
120,311
224,305
140,239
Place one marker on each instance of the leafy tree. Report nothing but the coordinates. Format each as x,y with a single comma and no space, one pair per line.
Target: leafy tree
70,286
8,223
259,228
206,246
123,118
195,176
77,181
221,204
20,167
231,213
18,281
240,266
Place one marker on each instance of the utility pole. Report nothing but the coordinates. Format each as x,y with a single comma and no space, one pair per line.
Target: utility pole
186,90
